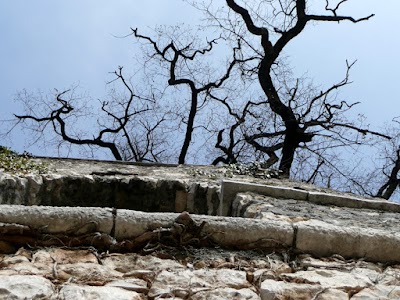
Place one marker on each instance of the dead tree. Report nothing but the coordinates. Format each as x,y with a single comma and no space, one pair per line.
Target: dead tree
273,40
176,58
389,153
236,141
117,128
392,178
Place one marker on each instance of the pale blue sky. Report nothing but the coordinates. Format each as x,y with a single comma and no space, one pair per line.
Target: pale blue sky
48,44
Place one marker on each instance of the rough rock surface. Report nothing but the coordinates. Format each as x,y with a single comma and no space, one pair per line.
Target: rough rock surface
345,249
191,273
293,210
327,230
145,187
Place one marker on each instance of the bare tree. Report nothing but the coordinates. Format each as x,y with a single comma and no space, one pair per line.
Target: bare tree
291,18
124,128
236,140
388,173
180,72
295,18
392,178
266,111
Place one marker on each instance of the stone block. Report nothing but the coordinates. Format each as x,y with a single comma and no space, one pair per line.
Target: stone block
180,201
58,219
79,292
229,190
352,201
19,287
323,239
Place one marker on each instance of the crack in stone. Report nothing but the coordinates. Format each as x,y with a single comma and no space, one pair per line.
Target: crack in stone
295,231
114,218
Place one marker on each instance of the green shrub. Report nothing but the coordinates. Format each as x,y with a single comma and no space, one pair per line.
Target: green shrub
13,162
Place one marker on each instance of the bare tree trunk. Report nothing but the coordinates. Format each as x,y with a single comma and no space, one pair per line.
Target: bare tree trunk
189,128
387,190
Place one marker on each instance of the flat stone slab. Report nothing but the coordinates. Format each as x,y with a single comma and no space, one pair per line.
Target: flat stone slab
326,230
265,207
231,188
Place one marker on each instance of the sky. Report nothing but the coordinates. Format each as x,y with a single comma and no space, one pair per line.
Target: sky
47,44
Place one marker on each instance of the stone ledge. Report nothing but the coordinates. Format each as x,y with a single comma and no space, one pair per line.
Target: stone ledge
324,231
125,224
151,188
314,237
226,231
323,240
58,219
230,189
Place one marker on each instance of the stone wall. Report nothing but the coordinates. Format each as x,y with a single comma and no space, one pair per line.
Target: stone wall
111,184
282,239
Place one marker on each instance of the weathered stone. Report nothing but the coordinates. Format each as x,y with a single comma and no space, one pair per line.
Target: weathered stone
344,217
230,189
13,260
286,227
12,189
42,256
332,294
156,264
18,287
280,290
262,274
188,282
87,272
64,256
22,265
378,291
136,285
33,186
58,219
128,263
248,233
147,194
352,201
141,274
213,199
172,283
27,269
6,247
130,224
181,201
145,187
78,292
391,276
307,262
225,293
245,205
323,239
372,275
203,198
24,252
225,231
330,279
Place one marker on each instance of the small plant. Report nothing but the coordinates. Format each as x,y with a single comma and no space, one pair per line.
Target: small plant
254,169
13,162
